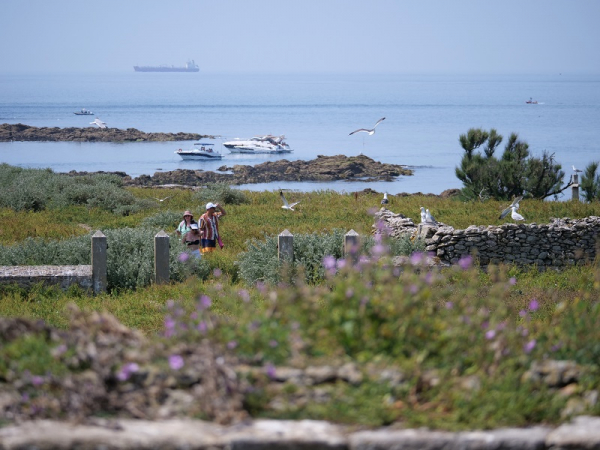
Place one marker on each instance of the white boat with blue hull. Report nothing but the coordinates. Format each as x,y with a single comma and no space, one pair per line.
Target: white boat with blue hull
201,151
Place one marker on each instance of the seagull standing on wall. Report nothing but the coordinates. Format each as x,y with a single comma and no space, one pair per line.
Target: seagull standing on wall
423,215
385,200
429,218
514,204
366,130
286,205
515,215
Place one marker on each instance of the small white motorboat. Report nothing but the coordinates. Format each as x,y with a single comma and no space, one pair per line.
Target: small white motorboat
84,112
203,151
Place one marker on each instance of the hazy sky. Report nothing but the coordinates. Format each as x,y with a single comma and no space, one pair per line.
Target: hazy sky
417,36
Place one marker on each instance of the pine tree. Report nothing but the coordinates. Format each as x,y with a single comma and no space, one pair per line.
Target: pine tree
590,182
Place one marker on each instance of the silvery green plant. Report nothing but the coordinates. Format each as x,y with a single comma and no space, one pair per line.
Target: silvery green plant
130,256
220,192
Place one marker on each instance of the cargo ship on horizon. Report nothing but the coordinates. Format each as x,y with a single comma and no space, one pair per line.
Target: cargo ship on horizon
190,66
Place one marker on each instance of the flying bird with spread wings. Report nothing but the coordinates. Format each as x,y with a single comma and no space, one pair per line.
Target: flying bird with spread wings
99,123
286,205
161,199
367,130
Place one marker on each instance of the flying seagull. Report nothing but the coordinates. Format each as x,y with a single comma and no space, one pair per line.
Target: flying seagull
515,215
371,131
286,205
385,200
514,204
429,218
576,170
99,123
162,199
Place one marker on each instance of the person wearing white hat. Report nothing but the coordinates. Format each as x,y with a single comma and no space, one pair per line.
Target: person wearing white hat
192,240
209,227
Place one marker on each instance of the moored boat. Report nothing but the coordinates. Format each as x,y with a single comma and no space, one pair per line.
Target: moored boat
84,112
204,151
190,66
268,144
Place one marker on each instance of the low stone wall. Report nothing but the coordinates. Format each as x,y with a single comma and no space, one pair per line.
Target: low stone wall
62,276
562,242
582,433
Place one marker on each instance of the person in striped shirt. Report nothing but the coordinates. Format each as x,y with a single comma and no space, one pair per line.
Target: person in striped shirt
209,226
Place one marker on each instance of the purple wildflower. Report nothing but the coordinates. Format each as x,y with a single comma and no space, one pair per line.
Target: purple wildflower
270,370
175,362
341,263
329,262
204,302
127,370
37,380
534,305
490,334
413,289
465,262
512,281
527,348
201,327
244,294
231,345
416,258
449,305
183,257
349,292
217,272
169,326
523,313
273,343
378,250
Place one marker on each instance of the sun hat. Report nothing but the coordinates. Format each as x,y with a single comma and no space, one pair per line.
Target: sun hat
210,205
187,213
194,226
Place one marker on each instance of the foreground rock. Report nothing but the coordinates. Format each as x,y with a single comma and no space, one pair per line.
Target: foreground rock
583,433
324,168
20,132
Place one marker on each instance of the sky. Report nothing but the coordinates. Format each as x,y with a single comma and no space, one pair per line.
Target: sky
315,36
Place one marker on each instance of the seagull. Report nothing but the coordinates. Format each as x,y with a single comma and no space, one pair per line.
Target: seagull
429,218
99,123
385,200
576,170
514,204
285,203
515,215
371,131
423,215
162,199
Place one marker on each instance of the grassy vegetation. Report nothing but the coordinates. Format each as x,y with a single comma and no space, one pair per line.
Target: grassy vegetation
461,339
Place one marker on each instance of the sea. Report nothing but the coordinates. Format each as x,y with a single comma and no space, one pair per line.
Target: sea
424,117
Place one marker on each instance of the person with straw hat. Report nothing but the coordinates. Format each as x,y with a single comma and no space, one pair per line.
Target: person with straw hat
185,225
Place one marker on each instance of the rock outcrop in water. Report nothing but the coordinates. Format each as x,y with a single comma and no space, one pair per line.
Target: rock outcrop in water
324,168
20,132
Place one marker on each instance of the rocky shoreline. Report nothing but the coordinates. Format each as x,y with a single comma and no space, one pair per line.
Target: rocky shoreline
323,168
21,132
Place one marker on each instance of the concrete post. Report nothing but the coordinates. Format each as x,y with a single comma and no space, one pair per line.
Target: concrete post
99,262
285,246
351,245
161,257
575,188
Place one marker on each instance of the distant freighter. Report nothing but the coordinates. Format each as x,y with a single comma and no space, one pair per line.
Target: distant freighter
190,66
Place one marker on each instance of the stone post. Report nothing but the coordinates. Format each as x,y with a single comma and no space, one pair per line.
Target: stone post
161,257
99,262
575,188
285,246
351,245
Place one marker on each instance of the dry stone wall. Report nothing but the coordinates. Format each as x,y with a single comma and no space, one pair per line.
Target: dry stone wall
62,276
562,242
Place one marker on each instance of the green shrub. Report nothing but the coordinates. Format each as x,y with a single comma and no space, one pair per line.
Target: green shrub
164,220
219,193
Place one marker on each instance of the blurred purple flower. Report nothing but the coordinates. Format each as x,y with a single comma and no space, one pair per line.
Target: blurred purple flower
534,305
490,334
416,258
428,278
231,345
270,370
273,343
349,292
183,257
512,281
217,272
127,370
170,303
523,313
449,305
175,362
527,348
465,262
378,238
329,262
169,326
378,250
244,294
485,324
204,302
413,289
201,327
341,263
194,315
261,286
501,326
37,380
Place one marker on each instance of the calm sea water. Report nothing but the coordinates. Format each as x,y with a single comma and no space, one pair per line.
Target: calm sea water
424,117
